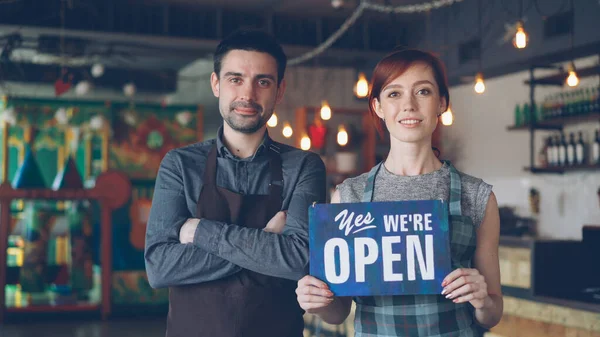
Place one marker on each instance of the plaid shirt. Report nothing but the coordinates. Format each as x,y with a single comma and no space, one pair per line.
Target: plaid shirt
423,315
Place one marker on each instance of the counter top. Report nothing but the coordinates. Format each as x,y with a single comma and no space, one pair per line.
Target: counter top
528,241
525,294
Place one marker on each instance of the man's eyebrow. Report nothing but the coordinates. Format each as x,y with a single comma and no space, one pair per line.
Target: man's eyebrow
269,76
231,73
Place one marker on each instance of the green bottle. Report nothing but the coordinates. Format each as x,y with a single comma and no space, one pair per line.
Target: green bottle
518,115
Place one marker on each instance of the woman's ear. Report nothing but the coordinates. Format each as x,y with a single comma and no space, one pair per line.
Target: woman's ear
377,108
443,105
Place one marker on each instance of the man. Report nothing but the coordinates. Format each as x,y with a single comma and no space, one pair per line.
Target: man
217,236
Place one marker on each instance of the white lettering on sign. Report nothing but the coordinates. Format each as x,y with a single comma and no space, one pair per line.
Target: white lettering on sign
329,253
362,258
366,252
388,263
420,222
347,225
413,245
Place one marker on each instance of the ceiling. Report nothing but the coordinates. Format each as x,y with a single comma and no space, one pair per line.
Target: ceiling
160,37
296,7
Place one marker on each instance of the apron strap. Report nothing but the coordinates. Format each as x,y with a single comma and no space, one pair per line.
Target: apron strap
370,185
210,171
275,163
455,190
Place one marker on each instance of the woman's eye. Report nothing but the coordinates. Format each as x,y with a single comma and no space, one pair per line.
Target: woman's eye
424,92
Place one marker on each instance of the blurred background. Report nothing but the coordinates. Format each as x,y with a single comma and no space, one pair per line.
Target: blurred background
98,91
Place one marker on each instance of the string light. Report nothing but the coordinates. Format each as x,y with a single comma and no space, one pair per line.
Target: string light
521,38
272,122
572,80
305,143
325,111
479,85
447,117
287,130
361,88
342,136
97,70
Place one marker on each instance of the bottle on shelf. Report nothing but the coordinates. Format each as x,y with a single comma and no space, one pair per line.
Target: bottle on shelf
569,103
550,151
526,114
578,108
538,114
557,105
545,107
580,150
571,150
596,149
573,102
588,106
579,101
556,150
562,150
518,115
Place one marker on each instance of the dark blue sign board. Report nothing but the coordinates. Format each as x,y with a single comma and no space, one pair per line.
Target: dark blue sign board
380,248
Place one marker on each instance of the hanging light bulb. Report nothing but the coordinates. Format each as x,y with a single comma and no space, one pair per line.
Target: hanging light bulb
337,3
325,111
97,70
129,89
287,130
572,80
361,88
521,38
479,85
305,143
83,88
342,136
272,122
447,117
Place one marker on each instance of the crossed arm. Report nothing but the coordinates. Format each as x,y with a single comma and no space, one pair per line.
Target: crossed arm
221,249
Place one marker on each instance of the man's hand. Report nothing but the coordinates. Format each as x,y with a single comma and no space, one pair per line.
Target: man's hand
277,222
187,231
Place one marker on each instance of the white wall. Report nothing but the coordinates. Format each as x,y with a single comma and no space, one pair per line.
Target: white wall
489,151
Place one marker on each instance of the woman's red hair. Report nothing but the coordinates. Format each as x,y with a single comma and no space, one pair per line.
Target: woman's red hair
394,65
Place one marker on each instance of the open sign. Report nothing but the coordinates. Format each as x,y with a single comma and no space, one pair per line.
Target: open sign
380,248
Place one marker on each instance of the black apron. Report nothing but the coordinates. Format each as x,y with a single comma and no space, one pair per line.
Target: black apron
246,303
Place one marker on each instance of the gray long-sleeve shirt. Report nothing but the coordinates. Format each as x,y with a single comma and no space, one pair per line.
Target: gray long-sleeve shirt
221,249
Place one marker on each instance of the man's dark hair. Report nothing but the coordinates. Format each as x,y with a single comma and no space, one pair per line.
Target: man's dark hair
251,40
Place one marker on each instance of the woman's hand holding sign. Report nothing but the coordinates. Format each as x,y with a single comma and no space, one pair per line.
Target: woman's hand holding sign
466,285
313,294
315,297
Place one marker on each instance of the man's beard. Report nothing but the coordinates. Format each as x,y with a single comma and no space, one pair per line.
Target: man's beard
245,124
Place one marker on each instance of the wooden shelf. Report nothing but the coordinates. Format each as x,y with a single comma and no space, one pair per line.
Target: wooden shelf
537,126
557,123
559,79
55,308
562,169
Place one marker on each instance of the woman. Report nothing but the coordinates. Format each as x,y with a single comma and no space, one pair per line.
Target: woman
409,92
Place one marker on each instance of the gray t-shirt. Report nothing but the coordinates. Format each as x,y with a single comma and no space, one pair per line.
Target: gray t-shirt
429,186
